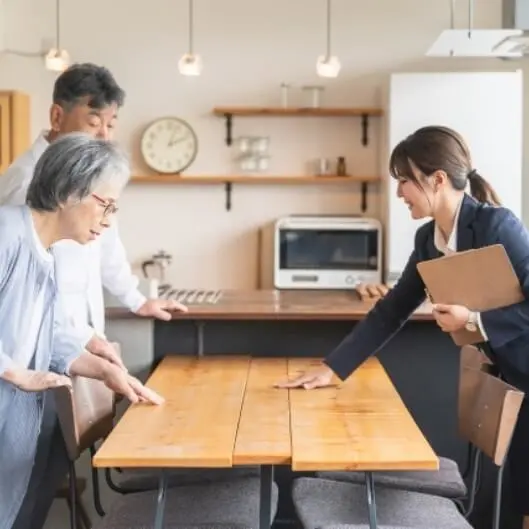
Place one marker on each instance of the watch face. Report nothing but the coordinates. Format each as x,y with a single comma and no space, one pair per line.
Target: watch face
471,326
169,145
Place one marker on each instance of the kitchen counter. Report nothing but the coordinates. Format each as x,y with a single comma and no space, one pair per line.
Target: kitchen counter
273,305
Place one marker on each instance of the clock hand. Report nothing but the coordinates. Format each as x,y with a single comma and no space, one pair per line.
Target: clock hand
178,140
171,139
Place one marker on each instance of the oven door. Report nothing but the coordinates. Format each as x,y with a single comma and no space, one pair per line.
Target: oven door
328,257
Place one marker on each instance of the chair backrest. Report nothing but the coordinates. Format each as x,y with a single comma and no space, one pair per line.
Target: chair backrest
86,413
488,406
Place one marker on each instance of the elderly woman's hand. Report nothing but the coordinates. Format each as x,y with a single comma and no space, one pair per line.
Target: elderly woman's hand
105,349
30,380
124,384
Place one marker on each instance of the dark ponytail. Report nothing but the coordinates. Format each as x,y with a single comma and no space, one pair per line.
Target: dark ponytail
481,190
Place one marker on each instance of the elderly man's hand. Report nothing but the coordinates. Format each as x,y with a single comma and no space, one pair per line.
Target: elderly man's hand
30,380
160,308
104,349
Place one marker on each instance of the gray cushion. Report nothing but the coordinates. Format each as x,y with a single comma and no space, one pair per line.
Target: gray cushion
447,481
322,503
147,479
233,504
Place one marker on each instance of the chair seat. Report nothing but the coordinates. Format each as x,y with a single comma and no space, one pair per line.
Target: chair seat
446,482
233,504
322,503
137,480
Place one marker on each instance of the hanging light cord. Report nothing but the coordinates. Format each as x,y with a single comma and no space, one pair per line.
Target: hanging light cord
58,24
191,27
470,17
328,30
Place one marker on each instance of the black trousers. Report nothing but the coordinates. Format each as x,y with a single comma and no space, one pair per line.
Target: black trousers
49,471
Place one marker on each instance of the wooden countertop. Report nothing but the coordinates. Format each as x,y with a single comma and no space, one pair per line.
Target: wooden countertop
278,305
225,411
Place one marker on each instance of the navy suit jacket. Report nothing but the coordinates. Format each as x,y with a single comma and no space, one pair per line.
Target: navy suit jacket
507,328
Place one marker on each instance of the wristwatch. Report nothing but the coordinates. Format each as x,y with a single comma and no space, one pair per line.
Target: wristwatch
472,322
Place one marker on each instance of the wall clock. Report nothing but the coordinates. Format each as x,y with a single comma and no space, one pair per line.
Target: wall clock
169,145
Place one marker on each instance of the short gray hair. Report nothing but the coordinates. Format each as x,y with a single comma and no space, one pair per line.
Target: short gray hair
71,167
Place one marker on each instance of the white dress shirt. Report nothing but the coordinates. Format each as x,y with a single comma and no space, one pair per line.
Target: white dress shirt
81,270
449,247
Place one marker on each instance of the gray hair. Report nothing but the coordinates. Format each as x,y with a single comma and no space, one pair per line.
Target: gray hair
71,167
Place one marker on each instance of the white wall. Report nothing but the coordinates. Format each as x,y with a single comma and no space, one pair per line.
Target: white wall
249,48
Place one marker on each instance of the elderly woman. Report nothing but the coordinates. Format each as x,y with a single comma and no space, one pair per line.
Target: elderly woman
72,196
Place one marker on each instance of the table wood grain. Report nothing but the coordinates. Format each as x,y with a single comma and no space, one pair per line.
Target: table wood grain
361,424
225,411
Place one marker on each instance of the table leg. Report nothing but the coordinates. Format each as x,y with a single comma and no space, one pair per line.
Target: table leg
199,325
371,503
265,501
160,503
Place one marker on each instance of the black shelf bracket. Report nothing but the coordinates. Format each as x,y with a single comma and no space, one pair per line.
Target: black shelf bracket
365,127
228,187
229,123
363,204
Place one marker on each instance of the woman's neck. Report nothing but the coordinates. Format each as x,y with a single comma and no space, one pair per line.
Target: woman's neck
47,227
445,215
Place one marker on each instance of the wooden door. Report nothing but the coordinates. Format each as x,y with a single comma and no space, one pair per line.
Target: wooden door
5,132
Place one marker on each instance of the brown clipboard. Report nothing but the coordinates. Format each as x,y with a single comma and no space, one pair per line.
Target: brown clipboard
481,279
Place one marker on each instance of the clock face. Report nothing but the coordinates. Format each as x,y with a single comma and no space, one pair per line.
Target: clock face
169,145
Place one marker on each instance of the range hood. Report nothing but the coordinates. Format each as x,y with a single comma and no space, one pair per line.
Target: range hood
511,40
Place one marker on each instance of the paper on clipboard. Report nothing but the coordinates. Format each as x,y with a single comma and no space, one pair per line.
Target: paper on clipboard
481,279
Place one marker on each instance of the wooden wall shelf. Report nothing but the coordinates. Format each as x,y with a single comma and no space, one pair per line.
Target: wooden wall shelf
229,180
364,113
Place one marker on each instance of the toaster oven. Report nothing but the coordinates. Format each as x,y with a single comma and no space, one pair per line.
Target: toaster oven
320,252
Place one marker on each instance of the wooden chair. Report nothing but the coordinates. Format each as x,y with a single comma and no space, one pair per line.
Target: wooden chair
488,410
448,481
86,415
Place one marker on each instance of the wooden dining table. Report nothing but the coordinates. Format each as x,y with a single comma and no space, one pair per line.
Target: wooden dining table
225,411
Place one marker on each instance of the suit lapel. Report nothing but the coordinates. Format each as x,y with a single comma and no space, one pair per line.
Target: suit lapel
465,225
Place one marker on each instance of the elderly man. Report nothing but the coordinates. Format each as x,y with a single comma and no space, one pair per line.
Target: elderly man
73,195
86,98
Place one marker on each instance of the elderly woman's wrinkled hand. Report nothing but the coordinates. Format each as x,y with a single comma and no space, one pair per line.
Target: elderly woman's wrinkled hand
105,349
30,380
124,384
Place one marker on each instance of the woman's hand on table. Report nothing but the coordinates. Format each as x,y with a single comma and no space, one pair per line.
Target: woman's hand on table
124,384
30,380
319,377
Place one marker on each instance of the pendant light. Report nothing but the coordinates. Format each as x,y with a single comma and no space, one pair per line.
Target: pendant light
57,59
328,65
190,63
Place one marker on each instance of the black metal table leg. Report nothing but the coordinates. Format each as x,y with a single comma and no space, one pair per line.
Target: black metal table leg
200,337
371,502
265,499
160,503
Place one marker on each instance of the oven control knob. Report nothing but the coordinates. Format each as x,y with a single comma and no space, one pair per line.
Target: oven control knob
349,280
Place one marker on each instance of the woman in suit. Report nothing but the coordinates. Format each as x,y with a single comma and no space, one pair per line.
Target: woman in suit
433,168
